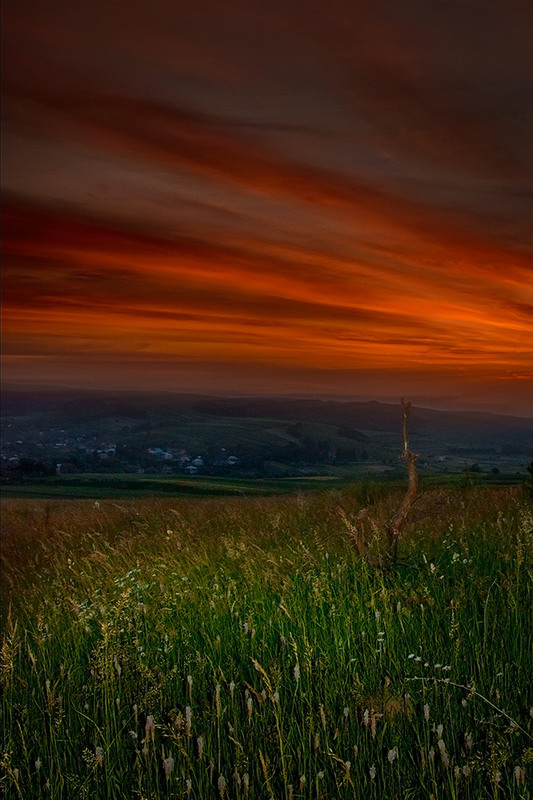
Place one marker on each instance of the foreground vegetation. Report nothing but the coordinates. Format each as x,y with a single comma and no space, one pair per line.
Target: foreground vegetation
238,648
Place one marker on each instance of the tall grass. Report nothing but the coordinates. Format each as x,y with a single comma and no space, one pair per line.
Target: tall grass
239,649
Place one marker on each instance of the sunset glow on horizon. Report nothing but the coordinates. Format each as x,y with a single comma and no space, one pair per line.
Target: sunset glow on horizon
239,199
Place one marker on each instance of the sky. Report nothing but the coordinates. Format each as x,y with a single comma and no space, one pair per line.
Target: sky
292,197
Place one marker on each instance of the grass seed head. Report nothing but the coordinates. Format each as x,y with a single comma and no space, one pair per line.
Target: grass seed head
168,765
149,728
520,776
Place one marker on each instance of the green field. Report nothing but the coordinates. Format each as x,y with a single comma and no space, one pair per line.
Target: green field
98,485
123,486
238,648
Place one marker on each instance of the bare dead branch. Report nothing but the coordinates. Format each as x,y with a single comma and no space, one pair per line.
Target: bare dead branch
396,523
356,527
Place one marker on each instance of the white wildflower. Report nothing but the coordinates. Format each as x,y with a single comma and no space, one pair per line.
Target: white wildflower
392,755
426,712
297,673
200,743
372,772
221,785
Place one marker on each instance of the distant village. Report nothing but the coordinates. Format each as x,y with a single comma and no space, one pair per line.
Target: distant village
55,452
29,453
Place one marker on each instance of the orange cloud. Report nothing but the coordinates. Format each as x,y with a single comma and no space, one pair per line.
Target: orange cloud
77,287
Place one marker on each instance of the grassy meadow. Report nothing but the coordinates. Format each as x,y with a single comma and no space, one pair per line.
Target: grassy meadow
238,648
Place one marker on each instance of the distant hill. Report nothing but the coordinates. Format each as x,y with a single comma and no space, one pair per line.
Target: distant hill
125,431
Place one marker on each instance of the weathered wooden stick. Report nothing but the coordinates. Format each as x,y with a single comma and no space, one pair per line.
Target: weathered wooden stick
396,523
356,527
